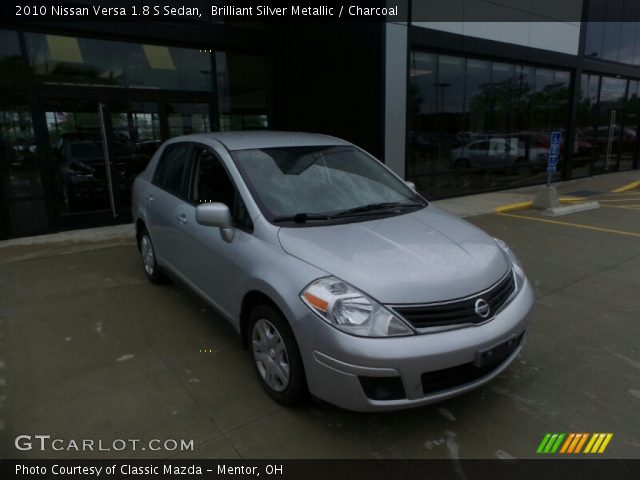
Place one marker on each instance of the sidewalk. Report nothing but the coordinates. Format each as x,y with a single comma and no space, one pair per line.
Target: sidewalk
472,205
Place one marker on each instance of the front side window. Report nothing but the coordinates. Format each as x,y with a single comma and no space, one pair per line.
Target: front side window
329,181
169,174
213,184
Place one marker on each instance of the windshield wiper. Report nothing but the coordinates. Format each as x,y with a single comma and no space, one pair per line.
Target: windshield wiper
302,217
372,207
376,207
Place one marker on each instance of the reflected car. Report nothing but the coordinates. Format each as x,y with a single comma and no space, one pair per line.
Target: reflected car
81,160
340,279
497,152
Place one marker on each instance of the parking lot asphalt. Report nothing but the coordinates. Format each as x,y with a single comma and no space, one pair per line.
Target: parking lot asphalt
94,351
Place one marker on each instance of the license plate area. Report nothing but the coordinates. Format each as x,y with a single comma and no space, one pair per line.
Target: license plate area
497,353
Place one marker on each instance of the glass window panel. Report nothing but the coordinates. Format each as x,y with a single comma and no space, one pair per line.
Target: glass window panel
450,84
478,80
242,92
593,42
508,112
22,206
91,61
503,96
613,90
15,75
422,111
186,118
628,33
243,122
611,41
584,146
611,34
9,44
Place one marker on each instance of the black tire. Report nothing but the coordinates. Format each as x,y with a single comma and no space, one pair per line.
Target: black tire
149,264
295,389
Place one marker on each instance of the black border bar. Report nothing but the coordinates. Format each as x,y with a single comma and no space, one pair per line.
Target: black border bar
542,469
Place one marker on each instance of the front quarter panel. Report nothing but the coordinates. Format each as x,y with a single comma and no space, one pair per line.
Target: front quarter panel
273,272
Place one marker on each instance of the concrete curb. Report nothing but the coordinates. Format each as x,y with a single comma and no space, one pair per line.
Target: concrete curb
526,205
125,232
572,208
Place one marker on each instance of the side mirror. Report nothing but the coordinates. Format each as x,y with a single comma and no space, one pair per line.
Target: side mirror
411,185
216,215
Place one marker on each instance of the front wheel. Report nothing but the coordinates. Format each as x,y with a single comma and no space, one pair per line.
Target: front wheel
276,357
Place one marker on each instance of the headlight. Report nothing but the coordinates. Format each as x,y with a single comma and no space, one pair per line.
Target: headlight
350,310
517,266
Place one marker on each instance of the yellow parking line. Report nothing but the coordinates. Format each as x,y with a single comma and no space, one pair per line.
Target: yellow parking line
628,186
514,206
569,224
626,207
622,200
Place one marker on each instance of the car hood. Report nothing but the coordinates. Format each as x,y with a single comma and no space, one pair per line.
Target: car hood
419,257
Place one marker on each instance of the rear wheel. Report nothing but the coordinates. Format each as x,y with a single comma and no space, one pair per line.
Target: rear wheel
276,357
149,262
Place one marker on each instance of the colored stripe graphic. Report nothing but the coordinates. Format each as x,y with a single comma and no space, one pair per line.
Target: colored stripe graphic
598,442
543,443
550,443
567,443
574,443
581,443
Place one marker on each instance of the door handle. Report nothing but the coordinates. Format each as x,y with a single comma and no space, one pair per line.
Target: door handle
182,218
150,200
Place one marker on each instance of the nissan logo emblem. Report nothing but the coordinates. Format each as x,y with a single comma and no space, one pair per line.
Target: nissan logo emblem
482,308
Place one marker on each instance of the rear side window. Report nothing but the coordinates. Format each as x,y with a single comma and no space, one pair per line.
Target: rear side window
171,169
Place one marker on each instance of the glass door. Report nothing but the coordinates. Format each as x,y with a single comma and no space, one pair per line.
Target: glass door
610,118
98,148
136,131
78,164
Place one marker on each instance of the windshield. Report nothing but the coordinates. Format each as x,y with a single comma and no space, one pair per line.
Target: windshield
320,181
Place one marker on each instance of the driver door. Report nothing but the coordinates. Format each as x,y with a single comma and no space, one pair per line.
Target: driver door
209,263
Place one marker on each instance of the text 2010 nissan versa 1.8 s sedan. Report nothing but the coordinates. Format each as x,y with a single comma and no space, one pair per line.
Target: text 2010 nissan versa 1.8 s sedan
340,278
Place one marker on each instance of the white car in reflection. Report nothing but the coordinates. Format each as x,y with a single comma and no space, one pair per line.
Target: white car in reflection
497,152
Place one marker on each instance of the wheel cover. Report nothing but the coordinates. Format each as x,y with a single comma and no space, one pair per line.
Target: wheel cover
270,355
148,257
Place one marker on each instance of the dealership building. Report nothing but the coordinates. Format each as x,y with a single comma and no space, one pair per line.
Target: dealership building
450,99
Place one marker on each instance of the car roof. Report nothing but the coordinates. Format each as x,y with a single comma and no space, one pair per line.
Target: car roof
247,139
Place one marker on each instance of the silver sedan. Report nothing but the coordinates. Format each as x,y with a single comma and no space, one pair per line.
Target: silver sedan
341,280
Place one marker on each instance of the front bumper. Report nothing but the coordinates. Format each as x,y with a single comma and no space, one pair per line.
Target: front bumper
336,362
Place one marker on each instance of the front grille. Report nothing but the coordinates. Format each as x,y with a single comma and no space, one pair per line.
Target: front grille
461,311
458,376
